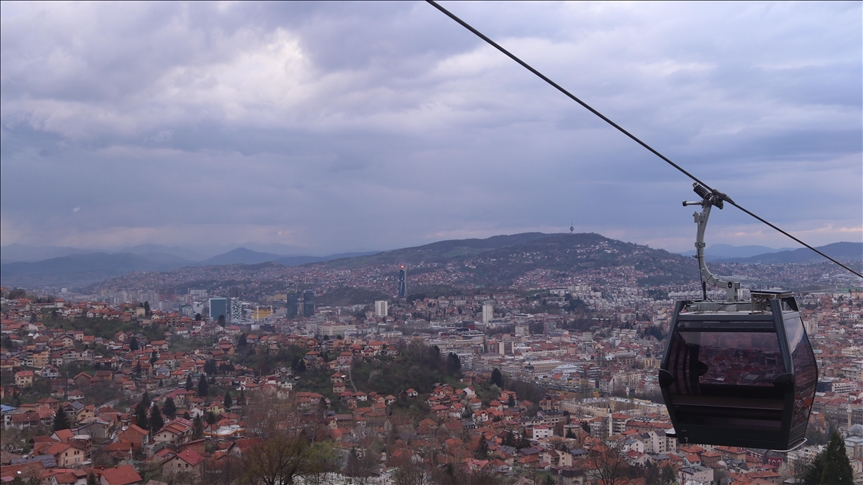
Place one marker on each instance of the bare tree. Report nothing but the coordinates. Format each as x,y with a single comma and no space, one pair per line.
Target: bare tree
410,470
607,464
281,459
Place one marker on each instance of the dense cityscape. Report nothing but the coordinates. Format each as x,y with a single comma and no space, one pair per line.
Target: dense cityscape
160,377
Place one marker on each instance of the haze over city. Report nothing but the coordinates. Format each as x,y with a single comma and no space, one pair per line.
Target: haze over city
322,128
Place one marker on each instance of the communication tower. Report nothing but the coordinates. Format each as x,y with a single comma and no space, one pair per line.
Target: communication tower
403,288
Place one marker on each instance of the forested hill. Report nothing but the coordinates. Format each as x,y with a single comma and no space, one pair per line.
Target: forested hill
500,260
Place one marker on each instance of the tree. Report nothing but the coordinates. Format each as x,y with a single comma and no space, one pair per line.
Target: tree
228,401
210,367
138,369
211,418
141,416
146,308
831,466
156,420
133,344
242,341
453,364
221,321
91,479
607,464
153,357
197,427
145,400
189,384
360,465
170,408
198,317
203,386
497,378
61,421
281,459
409,471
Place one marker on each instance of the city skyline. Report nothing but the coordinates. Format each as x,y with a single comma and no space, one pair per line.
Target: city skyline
357,127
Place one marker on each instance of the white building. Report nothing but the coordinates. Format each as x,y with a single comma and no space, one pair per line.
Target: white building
381,308
487,311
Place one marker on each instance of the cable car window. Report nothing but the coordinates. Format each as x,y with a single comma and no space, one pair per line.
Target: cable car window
703,361
805,368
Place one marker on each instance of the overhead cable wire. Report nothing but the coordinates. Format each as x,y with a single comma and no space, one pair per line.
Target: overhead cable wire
622,130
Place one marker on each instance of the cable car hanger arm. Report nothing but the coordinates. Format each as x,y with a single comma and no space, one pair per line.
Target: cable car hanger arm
708,200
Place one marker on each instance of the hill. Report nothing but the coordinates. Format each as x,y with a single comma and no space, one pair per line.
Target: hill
841,251
78,269
239,256
499,260
721,252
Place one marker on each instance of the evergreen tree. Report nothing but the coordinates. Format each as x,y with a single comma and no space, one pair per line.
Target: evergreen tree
91,479
197,427
153,357
133,344
241,342
203,386
211,418
242,400
147,309
228,401
141,416
831,466
453,364
61,421
145,400
170,408
189,384
837,467
497,378
156,420
138,369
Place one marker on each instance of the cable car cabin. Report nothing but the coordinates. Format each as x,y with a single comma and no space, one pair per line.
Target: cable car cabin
739,373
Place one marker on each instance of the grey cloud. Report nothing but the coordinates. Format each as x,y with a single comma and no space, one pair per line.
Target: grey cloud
362,126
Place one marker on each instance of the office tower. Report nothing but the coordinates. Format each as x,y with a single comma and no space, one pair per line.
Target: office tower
236,310
403,288
309,303
219,307
293,306
381,308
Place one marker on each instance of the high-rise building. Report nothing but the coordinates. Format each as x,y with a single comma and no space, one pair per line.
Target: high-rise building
403,286
293,306
381,309
219,307
309,303
487,311
236,310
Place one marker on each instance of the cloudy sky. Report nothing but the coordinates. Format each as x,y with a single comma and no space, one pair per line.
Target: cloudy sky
364,126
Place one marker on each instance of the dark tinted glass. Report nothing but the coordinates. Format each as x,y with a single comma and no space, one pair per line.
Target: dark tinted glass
805,368
718,358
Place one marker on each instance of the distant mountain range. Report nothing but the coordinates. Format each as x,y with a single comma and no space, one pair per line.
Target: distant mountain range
496,260
719,252
80,269
841,251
